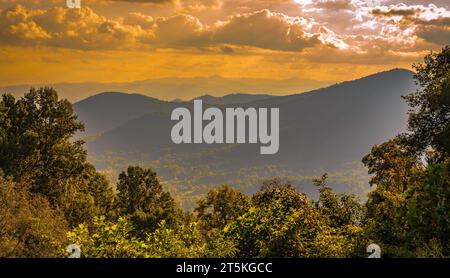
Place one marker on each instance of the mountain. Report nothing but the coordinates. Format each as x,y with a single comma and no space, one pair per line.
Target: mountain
111,109
180,87
107,110
320,127
232,98
324,130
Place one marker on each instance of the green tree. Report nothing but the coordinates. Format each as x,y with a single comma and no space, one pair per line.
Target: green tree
221,206
116,239
141,196
429,117
428,212
284,223
394,170
107,239
340,209
275,190
3,123
37,145
344,214
186,241
407,213
85,196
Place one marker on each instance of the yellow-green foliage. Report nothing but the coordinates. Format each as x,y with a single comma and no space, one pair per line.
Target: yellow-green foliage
114,239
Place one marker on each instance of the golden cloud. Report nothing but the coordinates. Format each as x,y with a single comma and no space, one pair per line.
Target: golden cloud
267,30
145,1
180,31
67,28
85,29
374,30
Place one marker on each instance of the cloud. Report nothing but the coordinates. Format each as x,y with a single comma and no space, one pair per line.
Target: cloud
144,21
411,11
146,1
268,30
67,28
429,23
435,31
180,31
394,12
261,29
16,28
320,39
85,29
333,5
350,26
227,49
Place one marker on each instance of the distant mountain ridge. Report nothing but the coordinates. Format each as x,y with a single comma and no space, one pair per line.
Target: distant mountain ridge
107,110
232,98
111,109
176,87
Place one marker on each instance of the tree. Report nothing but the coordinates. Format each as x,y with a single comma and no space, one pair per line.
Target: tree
107,239
186,241
37,148
274,190
37,145
343,213
3,123
340,209
98,187
429,116
407,213
221,206
85,196
394,170
284,223
141,196
428,212
29,226
116,239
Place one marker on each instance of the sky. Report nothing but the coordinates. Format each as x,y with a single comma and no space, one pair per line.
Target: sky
129,40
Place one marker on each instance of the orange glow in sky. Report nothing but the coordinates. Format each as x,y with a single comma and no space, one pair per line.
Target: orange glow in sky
122,41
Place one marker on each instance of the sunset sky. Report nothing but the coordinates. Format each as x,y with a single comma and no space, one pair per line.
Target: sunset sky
123,41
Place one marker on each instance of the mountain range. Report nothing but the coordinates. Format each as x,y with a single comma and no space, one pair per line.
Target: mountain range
176,87
324,130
